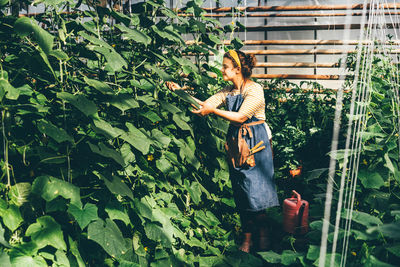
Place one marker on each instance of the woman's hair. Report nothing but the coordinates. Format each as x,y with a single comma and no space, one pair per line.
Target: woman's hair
247,62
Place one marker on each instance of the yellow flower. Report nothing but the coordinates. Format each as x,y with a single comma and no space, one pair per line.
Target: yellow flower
233,23
150,157
145,248
113,45
353,253
365,162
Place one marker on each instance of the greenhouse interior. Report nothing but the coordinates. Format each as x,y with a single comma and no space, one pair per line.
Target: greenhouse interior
199,133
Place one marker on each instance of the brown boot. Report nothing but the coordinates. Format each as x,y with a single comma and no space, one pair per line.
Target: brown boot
263,239
247,243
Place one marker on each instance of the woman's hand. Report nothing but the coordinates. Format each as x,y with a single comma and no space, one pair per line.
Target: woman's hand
172,86
205,109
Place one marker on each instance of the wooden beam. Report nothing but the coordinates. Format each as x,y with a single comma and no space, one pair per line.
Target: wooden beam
298,52
309,51
301,52
300,42
286,15
317,91
306,27
296,76
301,8
296,65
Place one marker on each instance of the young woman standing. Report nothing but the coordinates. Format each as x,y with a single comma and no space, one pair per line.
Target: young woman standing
248,144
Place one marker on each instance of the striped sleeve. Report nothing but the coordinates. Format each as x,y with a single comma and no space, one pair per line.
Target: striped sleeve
218,99
253,101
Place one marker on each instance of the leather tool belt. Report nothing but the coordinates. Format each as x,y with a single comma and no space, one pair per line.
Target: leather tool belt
238,150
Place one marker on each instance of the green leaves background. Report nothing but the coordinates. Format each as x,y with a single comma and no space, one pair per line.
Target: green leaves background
103,166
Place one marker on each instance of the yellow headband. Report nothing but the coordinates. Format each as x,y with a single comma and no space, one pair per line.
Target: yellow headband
235,56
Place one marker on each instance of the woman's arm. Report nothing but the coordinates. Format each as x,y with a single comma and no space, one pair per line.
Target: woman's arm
231,116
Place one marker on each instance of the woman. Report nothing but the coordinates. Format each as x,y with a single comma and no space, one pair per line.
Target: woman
251,170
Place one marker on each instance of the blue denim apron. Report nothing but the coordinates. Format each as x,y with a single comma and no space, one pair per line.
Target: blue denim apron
253,187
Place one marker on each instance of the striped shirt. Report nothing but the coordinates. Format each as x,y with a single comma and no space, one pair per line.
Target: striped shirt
253,103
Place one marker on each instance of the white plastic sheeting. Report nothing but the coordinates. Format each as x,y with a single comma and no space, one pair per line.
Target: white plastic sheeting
330,34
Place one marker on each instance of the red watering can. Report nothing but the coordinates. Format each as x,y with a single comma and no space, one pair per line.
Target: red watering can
295,214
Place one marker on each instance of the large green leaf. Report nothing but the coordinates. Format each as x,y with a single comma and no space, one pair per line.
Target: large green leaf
374,262
169,33
143,84
169,107
391,230
73,248
370,179
181,123
133,34
151,115
85,215
313,252
137,139
107,152
99,85
94,40
3,242
108,236
4,258
124,102
115,61
53,3
270,256
337,258
59,54
4,2
116,185
394,249
144,209
389,163
121,17
24,26
28,261
194,191
10,91
163,75
46,231
127,154
117,212
86,106
11,215
161,138
50,188
365,219
156,233
164,165
102,127
58,134
289,257
187,154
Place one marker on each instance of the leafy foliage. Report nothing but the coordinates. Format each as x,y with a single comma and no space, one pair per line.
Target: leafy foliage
103,166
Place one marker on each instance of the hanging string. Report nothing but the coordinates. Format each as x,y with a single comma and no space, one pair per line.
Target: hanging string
365,98
352,106
332,163
245,20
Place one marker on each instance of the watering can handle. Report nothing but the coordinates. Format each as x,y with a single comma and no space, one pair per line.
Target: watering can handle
297,195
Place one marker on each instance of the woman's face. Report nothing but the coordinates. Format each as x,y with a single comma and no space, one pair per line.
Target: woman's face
228,70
